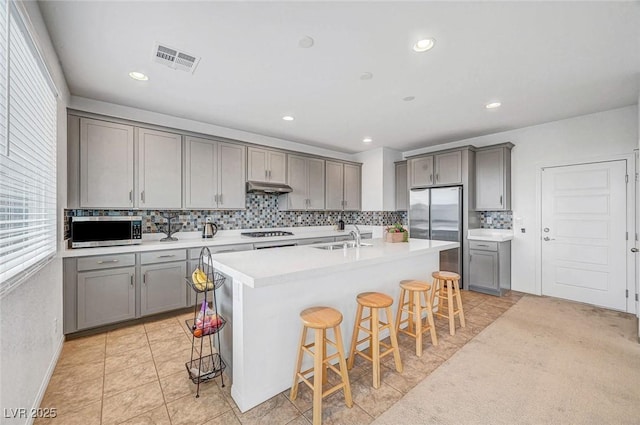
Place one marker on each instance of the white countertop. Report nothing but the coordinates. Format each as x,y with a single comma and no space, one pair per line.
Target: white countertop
188,240
272,266
490,235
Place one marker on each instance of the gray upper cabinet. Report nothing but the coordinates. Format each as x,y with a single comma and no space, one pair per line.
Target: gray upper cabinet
106,164
105,296
493,178
436,170
159,169
402,191
343,186
214,174
421,171
266,165
448,168
306,178
352,187
163,287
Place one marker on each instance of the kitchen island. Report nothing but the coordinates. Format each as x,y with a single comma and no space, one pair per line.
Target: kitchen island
270,288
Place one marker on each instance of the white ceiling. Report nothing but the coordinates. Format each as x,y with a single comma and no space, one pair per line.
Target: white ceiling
543,60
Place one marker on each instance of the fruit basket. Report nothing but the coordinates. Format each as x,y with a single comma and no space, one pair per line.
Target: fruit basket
205,368
211,281
204,328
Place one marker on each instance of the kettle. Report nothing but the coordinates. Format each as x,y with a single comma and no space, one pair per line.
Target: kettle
209,230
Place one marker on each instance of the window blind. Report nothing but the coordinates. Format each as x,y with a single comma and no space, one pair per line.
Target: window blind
28,158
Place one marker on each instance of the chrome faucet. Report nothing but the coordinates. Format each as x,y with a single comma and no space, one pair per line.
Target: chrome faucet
357,237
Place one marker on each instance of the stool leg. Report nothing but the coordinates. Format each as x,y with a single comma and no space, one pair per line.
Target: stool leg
374,345
343,368
318,366
452,318
400,306
460,311
394,342
432,326
410,317
296,380
434,293
418,320
325,369
354,338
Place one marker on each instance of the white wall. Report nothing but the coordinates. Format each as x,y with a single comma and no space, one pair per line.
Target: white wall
595,136
378,178
29,343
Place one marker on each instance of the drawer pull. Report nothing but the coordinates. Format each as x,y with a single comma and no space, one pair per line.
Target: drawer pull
107,261
166,256
483,245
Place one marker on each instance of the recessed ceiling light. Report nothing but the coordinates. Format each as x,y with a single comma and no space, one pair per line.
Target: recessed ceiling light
367,140
288,118
306,42
492,105
138,76
424,45
366,76
408,98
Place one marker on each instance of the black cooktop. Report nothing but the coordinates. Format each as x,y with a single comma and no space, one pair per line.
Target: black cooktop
266,234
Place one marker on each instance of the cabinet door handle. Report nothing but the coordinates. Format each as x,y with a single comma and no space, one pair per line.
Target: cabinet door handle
220,199
437,177
107,261
142,196
215,198
430,178
266,174
131,280
144,278
131,196
500,199
166,255
269,174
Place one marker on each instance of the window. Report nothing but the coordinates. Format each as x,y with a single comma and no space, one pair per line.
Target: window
27,154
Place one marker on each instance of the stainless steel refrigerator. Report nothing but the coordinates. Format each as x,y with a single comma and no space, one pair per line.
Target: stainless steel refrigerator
436,213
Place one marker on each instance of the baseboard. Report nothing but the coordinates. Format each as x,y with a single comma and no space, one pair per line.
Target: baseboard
46,379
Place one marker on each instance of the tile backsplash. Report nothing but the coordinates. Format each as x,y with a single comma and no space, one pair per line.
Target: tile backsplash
262,212
499,219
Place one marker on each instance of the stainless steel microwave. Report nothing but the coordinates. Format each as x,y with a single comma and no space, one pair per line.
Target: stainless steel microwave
88,232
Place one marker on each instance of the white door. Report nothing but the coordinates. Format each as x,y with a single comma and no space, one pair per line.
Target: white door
584,216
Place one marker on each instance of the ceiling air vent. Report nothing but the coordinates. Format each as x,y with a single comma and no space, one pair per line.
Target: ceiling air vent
174,58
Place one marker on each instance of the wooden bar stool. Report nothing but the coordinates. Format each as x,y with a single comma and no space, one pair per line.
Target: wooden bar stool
414,308
446,288
374,301
320,319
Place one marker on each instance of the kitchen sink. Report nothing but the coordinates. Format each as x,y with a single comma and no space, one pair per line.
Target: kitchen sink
341,245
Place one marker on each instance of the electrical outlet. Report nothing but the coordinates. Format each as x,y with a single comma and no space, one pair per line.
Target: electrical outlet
299,219
489,220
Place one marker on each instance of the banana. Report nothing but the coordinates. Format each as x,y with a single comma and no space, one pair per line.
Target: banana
201,280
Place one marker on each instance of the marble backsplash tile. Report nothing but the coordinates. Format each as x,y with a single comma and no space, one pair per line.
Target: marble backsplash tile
499,219
262,212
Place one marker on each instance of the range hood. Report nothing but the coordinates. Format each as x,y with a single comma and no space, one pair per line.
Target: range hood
263,187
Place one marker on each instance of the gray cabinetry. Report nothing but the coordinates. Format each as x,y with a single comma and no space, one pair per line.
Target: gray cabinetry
306,177
266,165
402,191
214,174
343,186
493,178
105,296
106,164
163,287
439,169
490,267
159,169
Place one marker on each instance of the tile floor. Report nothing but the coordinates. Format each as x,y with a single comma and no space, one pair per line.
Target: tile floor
136,376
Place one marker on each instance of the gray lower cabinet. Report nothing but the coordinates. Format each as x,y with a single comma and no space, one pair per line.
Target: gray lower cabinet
163,287
490,267
105,296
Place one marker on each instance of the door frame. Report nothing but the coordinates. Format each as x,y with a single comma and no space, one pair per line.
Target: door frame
632,285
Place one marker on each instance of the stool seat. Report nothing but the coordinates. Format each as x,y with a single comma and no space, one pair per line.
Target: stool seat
321,317
445,275
414,285
374,300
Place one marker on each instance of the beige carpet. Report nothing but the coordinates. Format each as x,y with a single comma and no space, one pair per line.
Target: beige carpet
545,361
